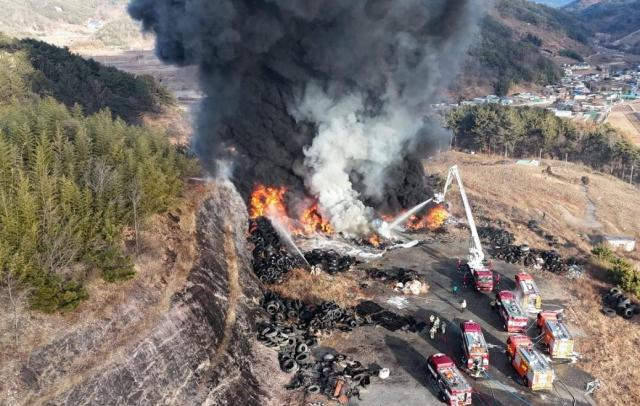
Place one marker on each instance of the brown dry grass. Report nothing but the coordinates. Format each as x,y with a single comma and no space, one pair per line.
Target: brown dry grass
515,194
627,123
157,278
612,349
343,289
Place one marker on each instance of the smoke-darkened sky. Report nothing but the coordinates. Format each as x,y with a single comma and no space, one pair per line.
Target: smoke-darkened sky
289,83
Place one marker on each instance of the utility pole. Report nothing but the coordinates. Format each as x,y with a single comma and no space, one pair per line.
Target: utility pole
631,176
540,155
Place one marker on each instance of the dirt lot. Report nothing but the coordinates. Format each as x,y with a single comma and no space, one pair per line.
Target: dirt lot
405,353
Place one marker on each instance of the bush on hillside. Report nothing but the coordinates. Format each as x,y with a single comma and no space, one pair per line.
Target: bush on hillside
69,186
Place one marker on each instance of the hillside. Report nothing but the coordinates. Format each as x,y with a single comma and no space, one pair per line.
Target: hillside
75,168
46,70
617,21
77,23
521,44
553,3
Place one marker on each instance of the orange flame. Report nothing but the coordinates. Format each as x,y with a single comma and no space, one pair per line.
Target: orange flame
313,222
433,220
375,240
270,202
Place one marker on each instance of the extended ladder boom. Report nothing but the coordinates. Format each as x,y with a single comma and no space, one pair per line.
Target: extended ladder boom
476,255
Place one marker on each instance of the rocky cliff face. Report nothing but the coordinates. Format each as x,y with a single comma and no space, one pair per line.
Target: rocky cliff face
199,352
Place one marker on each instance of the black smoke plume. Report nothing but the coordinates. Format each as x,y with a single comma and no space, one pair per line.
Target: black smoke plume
329,96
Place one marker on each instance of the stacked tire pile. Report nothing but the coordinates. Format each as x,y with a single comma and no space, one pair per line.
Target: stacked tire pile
496,237
293,332
329,261
295,326
271,260
617,303
505,250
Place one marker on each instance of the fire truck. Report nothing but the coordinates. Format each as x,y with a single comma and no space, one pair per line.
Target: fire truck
513,317
453,388
556,336
474,347
528,293
530,364
481,273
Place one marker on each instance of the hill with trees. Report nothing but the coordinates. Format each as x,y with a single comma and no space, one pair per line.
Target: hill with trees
47,70
530,131
76,178
618,21
520,44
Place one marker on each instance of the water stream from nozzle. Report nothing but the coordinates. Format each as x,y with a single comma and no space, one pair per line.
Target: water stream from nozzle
404,216
286,235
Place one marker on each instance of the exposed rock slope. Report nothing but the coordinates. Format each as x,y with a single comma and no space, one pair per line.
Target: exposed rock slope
199,352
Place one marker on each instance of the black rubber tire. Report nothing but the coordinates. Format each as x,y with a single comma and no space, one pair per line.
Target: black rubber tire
609,312
627,313
302,348
615,291
525,381
303,358
357,379
313,389
288,365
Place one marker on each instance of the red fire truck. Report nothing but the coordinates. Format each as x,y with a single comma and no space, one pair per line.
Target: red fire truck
476,352
453,388
528,293
531,366
556,335
513,317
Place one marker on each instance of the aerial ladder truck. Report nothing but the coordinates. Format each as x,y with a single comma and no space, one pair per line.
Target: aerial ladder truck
481,274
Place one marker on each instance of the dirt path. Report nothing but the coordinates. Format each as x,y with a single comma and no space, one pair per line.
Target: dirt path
590,219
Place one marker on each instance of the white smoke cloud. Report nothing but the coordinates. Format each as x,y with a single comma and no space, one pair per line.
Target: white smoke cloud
349,140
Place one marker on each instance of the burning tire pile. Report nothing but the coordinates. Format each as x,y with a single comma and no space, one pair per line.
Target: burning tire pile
271,260
504,249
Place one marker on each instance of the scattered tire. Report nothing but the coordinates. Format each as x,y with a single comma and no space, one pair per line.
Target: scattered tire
302,348
628,313
303,358
615,291
313,389
357,379
609,312
289,366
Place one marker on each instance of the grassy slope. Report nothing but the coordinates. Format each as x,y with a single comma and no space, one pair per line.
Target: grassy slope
520,41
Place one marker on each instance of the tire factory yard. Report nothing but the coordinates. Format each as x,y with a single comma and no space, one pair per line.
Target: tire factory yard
400,341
